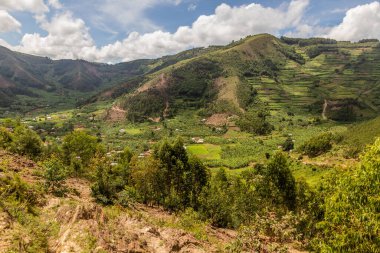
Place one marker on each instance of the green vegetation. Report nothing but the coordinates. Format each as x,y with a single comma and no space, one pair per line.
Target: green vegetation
352,207
317,145
78,149
255,123
20,139
263,136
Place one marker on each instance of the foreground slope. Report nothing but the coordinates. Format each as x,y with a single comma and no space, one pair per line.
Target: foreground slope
76,223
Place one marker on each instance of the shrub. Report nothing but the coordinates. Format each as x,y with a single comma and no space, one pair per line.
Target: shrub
78,149
351,221
26,142
317,145
255,123
54,173
288,144
5,138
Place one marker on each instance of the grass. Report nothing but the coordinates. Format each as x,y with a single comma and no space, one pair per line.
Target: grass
133,131
205,151
313,175
361,134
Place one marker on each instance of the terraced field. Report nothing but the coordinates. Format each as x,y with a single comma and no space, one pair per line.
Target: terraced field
342,71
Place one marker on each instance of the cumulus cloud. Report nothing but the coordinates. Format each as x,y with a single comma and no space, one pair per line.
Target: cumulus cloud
34,6
360,22
226,24
68,37
8,23
55,4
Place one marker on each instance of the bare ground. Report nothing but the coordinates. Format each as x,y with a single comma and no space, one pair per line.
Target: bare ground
85,226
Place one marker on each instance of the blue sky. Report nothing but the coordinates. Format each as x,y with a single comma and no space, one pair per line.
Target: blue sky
122,30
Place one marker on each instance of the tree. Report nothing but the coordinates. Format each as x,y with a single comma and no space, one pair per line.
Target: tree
278,173
317,145
147,180
109,180
26,142
78,149
5,138
54,174
255,123
351,220
182,177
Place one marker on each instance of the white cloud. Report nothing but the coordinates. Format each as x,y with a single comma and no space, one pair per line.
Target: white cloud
192,7
8,23
55,4
34,6
226,24
68,37
360,22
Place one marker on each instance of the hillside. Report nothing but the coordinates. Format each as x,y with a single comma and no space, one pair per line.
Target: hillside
30,82
76,223
264,145
320,77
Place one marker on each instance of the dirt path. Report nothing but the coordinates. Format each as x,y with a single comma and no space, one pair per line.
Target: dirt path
325,104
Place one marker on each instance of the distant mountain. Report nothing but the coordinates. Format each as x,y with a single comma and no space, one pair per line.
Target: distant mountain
321,77
28,82
318,77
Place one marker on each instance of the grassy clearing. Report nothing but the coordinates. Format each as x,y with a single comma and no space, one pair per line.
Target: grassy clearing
206,151
313,175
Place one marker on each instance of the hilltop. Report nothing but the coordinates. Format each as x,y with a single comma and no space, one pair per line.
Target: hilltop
30,82
320,77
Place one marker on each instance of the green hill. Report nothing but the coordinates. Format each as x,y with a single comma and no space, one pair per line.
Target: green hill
321,77
317,77
30,82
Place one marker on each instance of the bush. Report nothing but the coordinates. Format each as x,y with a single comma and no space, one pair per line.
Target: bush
255,123
78,149
26,142
5,138
351,221
317,145
54,173
288,144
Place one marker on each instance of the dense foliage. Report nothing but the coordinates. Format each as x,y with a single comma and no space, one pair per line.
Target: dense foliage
255,123
307,42
78,149
20,139
317,145
266,200
351,220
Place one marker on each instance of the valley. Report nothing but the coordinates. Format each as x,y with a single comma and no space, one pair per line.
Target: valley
263,145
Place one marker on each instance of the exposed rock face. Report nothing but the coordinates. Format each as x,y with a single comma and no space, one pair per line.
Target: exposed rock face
340,110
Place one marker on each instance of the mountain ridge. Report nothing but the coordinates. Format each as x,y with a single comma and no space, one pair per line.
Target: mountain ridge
290,74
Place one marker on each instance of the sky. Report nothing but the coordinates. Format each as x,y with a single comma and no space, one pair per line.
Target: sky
112,31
